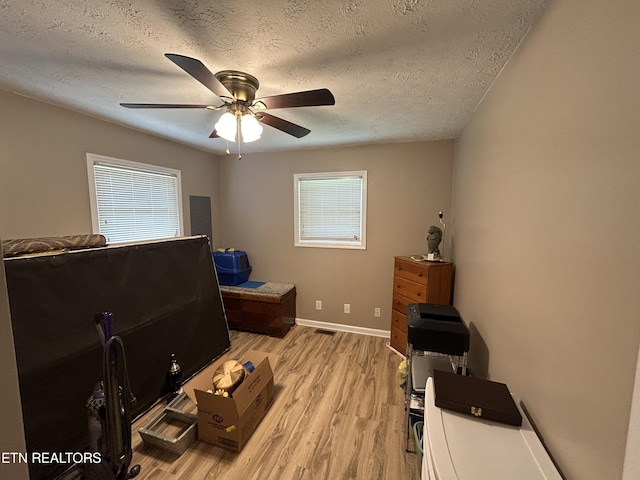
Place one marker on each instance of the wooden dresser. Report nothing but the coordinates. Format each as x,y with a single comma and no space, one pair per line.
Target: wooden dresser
416,282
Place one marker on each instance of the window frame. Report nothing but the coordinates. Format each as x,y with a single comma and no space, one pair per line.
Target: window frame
95,159
359,245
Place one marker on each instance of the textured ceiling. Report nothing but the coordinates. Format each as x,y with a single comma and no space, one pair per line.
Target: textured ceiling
400,70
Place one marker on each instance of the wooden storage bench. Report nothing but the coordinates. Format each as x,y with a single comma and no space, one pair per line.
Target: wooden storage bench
269,308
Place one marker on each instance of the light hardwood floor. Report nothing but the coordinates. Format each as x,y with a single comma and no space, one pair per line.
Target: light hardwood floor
338,413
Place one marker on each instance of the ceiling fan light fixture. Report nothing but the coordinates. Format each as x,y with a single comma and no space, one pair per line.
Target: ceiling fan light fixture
237,91
227,126
250,128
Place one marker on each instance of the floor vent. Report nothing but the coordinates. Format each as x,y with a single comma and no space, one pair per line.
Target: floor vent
325,332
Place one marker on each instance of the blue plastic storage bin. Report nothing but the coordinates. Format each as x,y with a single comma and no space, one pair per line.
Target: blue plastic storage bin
233,267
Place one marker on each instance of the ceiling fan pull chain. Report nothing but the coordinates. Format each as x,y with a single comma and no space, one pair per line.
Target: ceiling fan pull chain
238,119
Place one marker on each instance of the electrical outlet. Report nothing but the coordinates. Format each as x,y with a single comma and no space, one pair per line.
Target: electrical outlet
376,312
347,308
318,304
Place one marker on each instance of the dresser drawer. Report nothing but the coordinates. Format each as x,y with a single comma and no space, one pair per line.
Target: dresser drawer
398,340
401,303
411,290
399,320
412,270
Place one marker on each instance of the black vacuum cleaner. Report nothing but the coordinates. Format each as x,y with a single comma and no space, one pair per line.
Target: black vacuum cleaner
109,411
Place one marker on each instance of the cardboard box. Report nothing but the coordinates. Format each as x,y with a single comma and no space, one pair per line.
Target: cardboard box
228,422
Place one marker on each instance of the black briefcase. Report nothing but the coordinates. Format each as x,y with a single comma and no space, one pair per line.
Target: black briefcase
475,397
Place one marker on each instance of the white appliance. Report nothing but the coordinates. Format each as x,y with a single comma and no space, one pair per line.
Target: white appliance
461,447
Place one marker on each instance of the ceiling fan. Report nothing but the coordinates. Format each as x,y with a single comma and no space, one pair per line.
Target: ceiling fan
243,112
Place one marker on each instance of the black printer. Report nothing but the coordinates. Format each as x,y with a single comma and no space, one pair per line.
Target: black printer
436,328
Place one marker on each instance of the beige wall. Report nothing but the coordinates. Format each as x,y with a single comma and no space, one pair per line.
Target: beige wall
546,229
407,185
43,174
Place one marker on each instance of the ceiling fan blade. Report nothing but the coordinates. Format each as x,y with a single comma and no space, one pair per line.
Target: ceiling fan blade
214,134
309,98
283,125
197,70
167,105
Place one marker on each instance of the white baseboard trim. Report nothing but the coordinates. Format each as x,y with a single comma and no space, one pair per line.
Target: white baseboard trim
338,327
395,351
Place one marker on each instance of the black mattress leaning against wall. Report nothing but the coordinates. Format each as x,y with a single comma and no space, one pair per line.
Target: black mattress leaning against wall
165,299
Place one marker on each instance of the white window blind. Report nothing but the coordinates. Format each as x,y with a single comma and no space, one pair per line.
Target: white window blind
133,201
331,209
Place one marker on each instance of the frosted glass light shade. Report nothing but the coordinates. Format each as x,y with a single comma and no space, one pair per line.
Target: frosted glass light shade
251,129
227,127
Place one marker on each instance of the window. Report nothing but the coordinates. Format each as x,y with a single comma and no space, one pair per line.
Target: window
133,201
330,209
